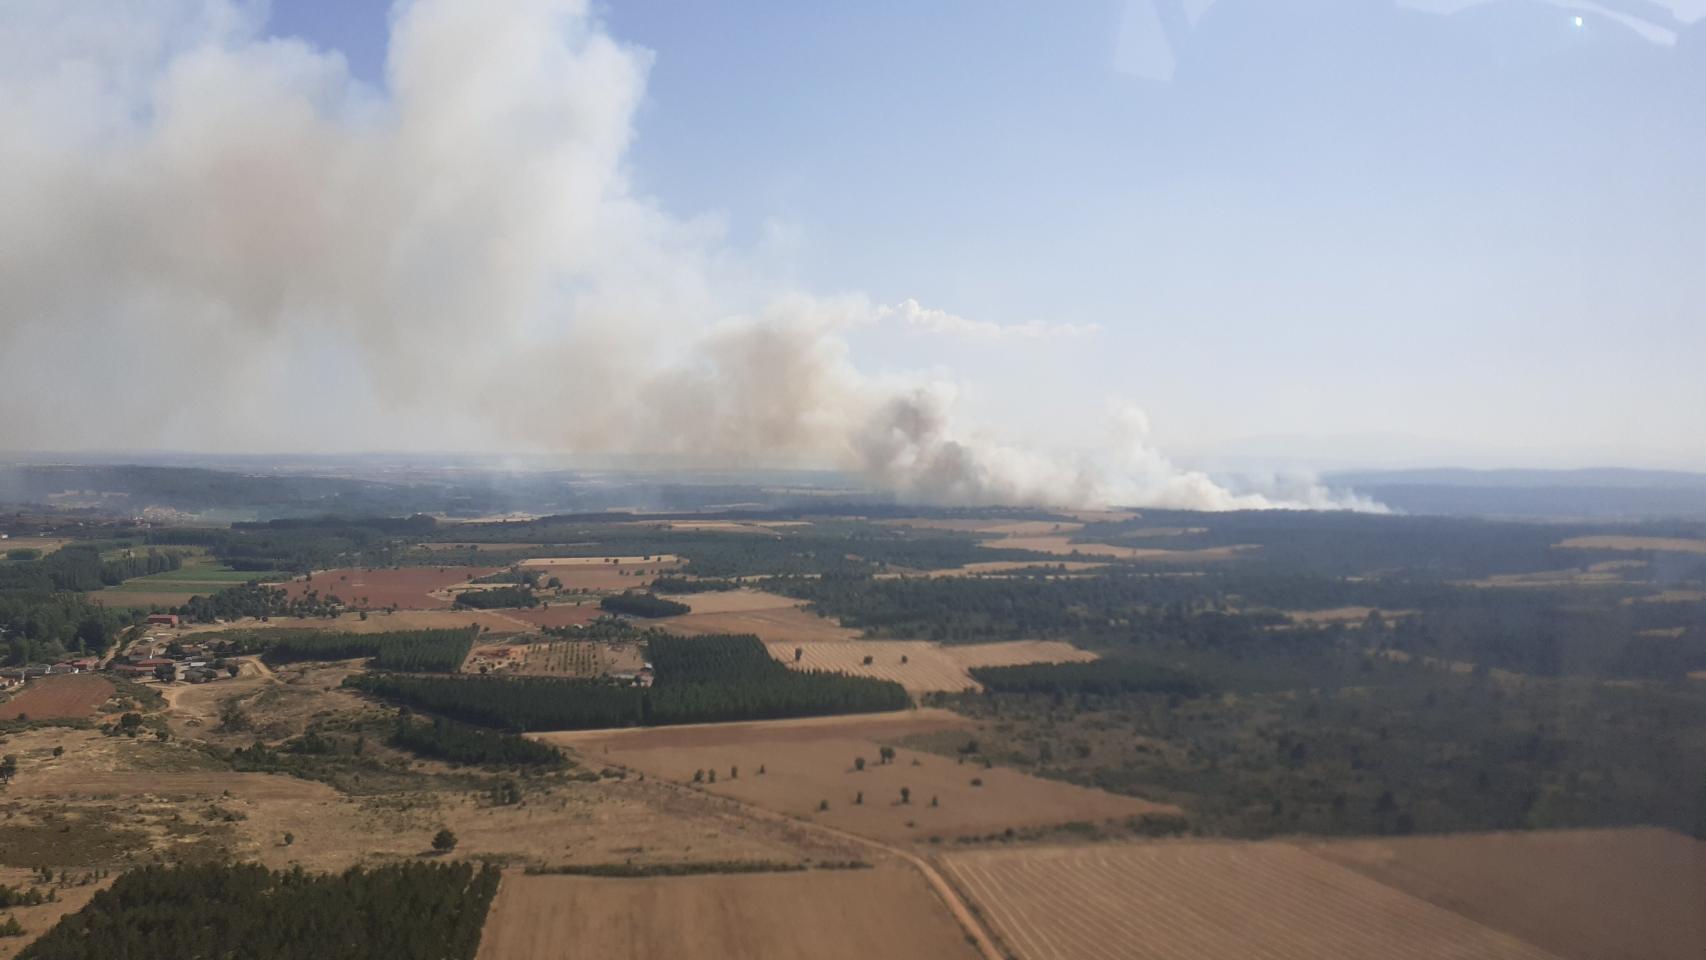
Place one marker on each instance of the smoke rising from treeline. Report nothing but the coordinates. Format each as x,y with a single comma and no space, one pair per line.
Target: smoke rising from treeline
218,240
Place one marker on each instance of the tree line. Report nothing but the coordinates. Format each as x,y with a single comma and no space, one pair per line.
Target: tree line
700,680
246,910
643,605
408,651
447,740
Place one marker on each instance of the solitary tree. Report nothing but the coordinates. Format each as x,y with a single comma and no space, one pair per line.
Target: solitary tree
859,798
444,841
933,802
798,653
8,768
905,794
887,753
289,838
858,763
734,773
823,804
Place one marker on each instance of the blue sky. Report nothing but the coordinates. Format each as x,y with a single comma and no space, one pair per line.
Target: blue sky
1339,220
1327,231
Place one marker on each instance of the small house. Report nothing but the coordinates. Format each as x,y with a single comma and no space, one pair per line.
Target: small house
163,619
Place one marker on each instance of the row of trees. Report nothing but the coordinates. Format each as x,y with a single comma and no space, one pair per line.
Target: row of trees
643,605
1100,678
79,566
246,910
258,600
457,743
700,680
410,651
497,597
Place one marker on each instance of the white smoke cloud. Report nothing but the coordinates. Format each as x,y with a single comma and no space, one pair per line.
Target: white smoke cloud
217,240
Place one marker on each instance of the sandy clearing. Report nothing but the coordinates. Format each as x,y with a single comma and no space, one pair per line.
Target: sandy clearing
1199,900
883,912
1614,542
1583,894
807,763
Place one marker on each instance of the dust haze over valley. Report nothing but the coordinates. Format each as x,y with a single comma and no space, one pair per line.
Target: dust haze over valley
453,259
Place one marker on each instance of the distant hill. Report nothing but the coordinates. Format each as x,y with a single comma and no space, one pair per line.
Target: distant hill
1597,493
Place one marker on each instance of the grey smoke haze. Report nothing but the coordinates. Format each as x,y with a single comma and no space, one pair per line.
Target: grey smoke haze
215,240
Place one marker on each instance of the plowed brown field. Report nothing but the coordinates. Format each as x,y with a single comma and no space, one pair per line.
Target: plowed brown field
411,588
602,573
886,912
73,695
1583,894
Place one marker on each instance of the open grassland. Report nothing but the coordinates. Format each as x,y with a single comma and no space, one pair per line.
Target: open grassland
406,588
1584,895
1204,901
45,544
602,573
808,762
771,617
885,912
1639,544
73,695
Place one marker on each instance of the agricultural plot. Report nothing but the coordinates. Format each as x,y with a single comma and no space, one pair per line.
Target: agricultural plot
771,617
72,695
1193,901
556,614
921,666
1582,894
406,588
829,914
602,573
1637,544
917,665
807,763
558,658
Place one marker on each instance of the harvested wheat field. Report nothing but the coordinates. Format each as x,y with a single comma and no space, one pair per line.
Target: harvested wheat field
884,912
808,762
378,621
1351,616
1582,894
927,666
771,617
1181,900
408,588
1617,542
72,695
602,573
734,601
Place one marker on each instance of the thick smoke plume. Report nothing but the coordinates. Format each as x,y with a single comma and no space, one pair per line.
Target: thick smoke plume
217,240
